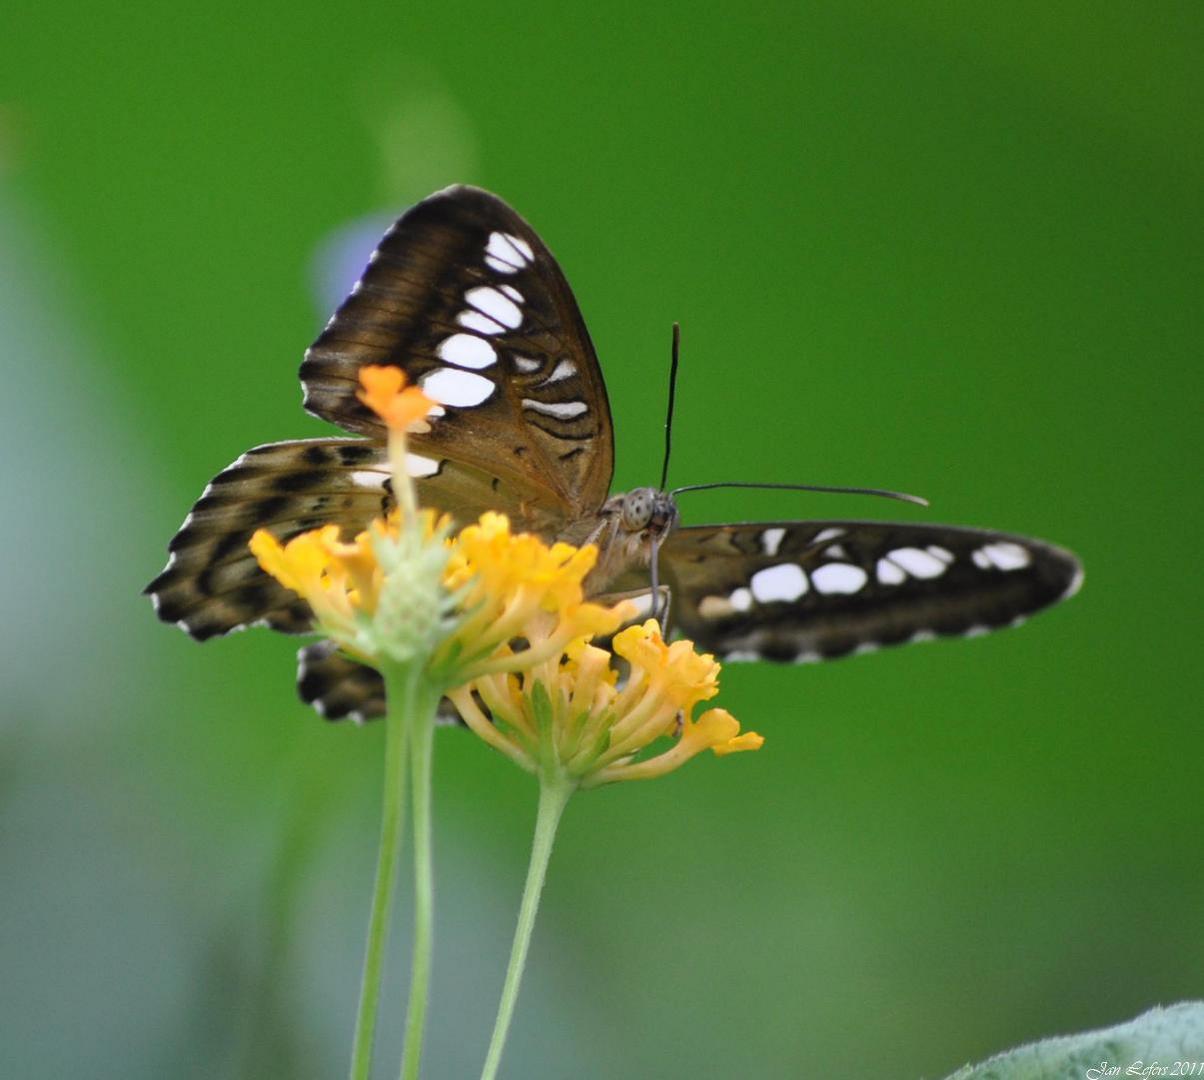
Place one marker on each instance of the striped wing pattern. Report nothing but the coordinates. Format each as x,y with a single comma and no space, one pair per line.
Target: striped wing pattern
805,591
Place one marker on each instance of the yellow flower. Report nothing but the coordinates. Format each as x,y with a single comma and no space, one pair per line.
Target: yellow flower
516,586
566,717
371,613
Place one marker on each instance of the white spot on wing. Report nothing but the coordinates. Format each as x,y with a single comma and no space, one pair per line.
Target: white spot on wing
889,573
367,479
771,540
1005,555
498,307
482,324
526,365
838,578
917,563
512,292
524,249
944,554
643,603
565,369
784,582
741,599
561,410
827,534
714,607
461,389
418,465
467,350
507,254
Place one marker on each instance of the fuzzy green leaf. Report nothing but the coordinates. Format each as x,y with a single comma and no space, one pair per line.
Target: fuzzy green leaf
1148,1046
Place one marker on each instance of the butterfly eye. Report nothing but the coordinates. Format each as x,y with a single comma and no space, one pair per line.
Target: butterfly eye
637,510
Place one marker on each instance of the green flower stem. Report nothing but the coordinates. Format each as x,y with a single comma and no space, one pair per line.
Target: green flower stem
401,685
423,736
554,792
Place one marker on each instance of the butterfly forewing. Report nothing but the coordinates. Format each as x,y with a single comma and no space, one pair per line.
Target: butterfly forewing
466,299
803,591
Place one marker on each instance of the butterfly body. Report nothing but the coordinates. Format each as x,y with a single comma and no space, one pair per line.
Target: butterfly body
465,298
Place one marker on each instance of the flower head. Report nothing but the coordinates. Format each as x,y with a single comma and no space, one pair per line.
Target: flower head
515,586
380,596
568,715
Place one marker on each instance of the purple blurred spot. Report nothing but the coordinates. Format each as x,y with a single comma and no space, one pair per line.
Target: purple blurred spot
340,258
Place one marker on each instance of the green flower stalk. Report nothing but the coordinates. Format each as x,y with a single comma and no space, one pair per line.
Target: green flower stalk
567,721
431,611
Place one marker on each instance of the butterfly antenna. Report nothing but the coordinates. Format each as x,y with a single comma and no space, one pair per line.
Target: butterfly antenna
672,396
901,496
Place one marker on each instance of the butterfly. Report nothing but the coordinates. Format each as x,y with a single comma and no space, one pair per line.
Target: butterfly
465,298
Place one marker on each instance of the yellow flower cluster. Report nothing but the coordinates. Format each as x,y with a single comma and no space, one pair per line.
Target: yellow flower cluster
370,613
517,587
504,615
570,715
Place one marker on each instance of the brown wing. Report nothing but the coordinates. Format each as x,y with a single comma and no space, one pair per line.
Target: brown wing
212,583
339,688
466,299
817,590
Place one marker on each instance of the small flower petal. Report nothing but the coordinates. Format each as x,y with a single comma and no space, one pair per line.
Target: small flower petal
382,391
750,740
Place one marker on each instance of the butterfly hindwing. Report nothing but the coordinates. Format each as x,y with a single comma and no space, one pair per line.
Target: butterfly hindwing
801,591
339,688
212,583
466,299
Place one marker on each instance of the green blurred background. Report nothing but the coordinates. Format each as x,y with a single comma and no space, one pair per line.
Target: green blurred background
948,248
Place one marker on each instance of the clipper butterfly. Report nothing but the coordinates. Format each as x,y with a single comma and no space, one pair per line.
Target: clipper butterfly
464,296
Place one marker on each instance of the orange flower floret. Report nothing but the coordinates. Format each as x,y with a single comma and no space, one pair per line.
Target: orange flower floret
384,391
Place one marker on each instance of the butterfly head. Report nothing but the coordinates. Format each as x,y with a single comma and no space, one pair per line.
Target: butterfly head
647,512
